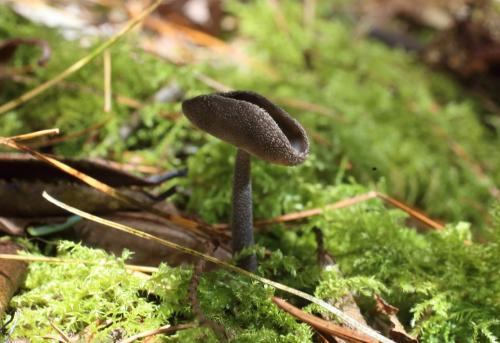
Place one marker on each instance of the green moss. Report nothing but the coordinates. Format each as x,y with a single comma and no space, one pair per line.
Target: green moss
102,297
79,296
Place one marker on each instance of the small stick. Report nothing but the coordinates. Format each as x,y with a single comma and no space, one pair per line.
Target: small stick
33,135
107,81
61,333
71,135
167,329
309,9
121,99
80,63
412,212
308,213
28,258
54,338
294,216
323,325
212,83
316,211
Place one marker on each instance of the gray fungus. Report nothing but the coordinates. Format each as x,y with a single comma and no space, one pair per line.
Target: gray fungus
257,127
250,122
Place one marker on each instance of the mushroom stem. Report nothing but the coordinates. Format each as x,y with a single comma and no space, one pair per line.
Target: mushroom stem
242,217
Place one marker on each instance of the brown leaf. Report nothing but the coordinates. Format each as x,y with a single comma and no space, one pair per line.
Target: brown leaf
24,178
12,274
203,15
25,198
384,307
145,252
394,329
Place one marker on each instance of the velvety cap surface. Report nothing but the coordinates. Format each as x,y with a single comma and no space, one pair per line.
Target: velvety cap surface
252,123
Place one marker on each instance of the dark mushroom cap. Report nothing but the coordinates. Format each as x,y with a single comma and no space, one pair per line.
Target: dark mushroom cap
252,123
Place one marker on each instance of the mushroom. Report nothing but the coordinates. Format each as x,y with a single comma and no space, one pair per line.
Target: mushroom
255,126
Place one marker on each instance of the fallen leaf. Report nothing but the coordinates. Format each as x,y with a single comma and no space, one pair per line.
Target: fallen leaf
12,274
395,329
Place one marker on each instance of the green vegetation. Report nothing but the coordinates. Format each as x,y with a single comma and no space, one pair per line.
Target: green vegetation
394,126
103,297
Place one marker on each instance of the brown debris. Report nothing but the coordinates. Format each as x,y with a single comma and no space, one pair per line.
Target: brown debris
146,252
321,324
12,274
390,323
205,15
164,330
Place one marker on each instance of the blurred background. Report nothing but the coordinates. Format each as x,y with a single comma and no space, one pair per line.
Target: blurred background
397,96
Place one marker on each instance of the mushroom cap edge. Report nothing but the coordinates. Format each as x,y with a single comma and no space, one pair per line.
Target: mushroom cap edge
252,123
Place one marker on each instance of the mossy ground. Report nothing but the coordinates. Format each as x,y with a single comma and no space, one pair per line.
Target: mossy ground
396,126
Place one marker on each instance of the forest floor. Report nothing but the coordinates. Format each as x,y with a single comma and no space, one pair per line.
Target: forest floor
389,231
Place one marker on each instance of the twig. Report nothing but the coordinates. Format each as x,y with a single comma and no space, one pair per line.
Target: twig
79,64
32,135
30,258
279,18
294,216
54,338
309,12
212,83
71,135
167,329
107,81
322,257
330,308
323,325
316,211
411,211
134,167
309,213
61,333
121,99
